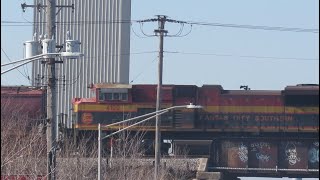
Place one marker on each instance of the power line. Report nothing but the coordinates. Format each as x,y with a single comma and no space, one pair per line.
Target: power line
143,71
213,24
22,23
24,75
244,56
256,27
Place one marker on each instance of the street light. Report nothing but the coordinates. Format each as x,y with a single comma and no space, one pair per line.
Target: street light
39,57
157,113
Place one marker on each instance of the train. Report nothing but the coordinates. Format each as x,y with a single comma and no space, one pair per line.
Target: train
243,132
292,110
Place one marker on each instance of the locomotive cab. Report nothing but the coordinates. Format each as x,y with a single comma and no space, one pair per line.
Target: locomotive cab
302,102
112,93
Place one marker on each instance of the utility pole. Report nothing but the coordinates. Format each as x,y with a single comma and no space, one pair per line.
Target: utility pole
161,32
51,95
51,87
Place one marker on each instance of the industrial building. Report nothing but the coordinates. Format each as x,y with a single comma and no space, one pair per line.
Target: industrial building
103,28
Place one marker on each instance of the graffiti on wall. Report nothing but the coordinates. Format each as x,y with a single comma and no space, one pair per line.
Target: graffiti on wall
314,153
263,157
258,147
291,153
243,152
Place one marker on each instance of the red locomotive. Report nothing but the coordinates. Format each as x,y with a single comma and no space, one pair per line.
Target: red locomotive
292,110
243,132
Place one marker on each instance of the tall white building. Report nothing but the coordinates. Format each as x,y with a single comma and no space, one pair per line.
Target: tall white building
103,28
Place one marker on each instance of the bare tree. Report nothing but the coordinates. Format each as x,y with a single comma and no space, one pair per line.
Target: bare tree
23,144
77,160
128,161
23,152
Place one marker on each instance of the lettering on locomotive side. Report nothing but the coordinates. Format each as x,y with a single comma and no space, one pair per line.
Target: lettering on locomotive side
246,117
119,108
112,108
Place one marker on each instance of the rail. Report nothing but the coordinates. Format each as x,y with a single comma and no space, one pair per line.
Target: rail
264,169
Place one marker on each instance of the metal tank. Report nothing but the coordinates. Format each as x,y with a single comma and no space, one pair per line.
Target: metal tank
32,48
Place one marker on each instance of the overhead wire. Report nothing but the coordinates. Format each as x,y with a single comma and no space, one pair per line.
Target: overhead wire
121,54
256,27
143,71
141,29
24,75
213,24
244,56
136,34
179,35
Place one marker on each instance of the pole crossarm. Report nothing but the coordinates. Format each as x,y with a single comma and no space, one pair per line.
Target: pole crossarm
39,6
162,112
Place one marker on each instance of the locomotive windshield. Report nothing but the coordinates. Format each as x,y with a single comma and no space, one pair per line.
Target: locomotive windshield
304,95
113,94
302,100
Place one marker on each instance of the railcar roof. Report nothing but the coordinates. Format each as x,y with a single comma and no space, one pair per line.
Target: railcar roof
302,89
105,85
251,92
20,90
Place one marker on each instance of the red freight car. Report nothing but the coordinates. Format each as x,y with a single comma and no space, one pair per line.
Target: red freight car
23,177
26,100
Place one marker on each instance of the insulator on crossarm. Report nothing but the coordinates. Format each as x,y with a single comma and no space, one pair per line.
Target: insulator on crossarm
40,37
34,36
68,35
